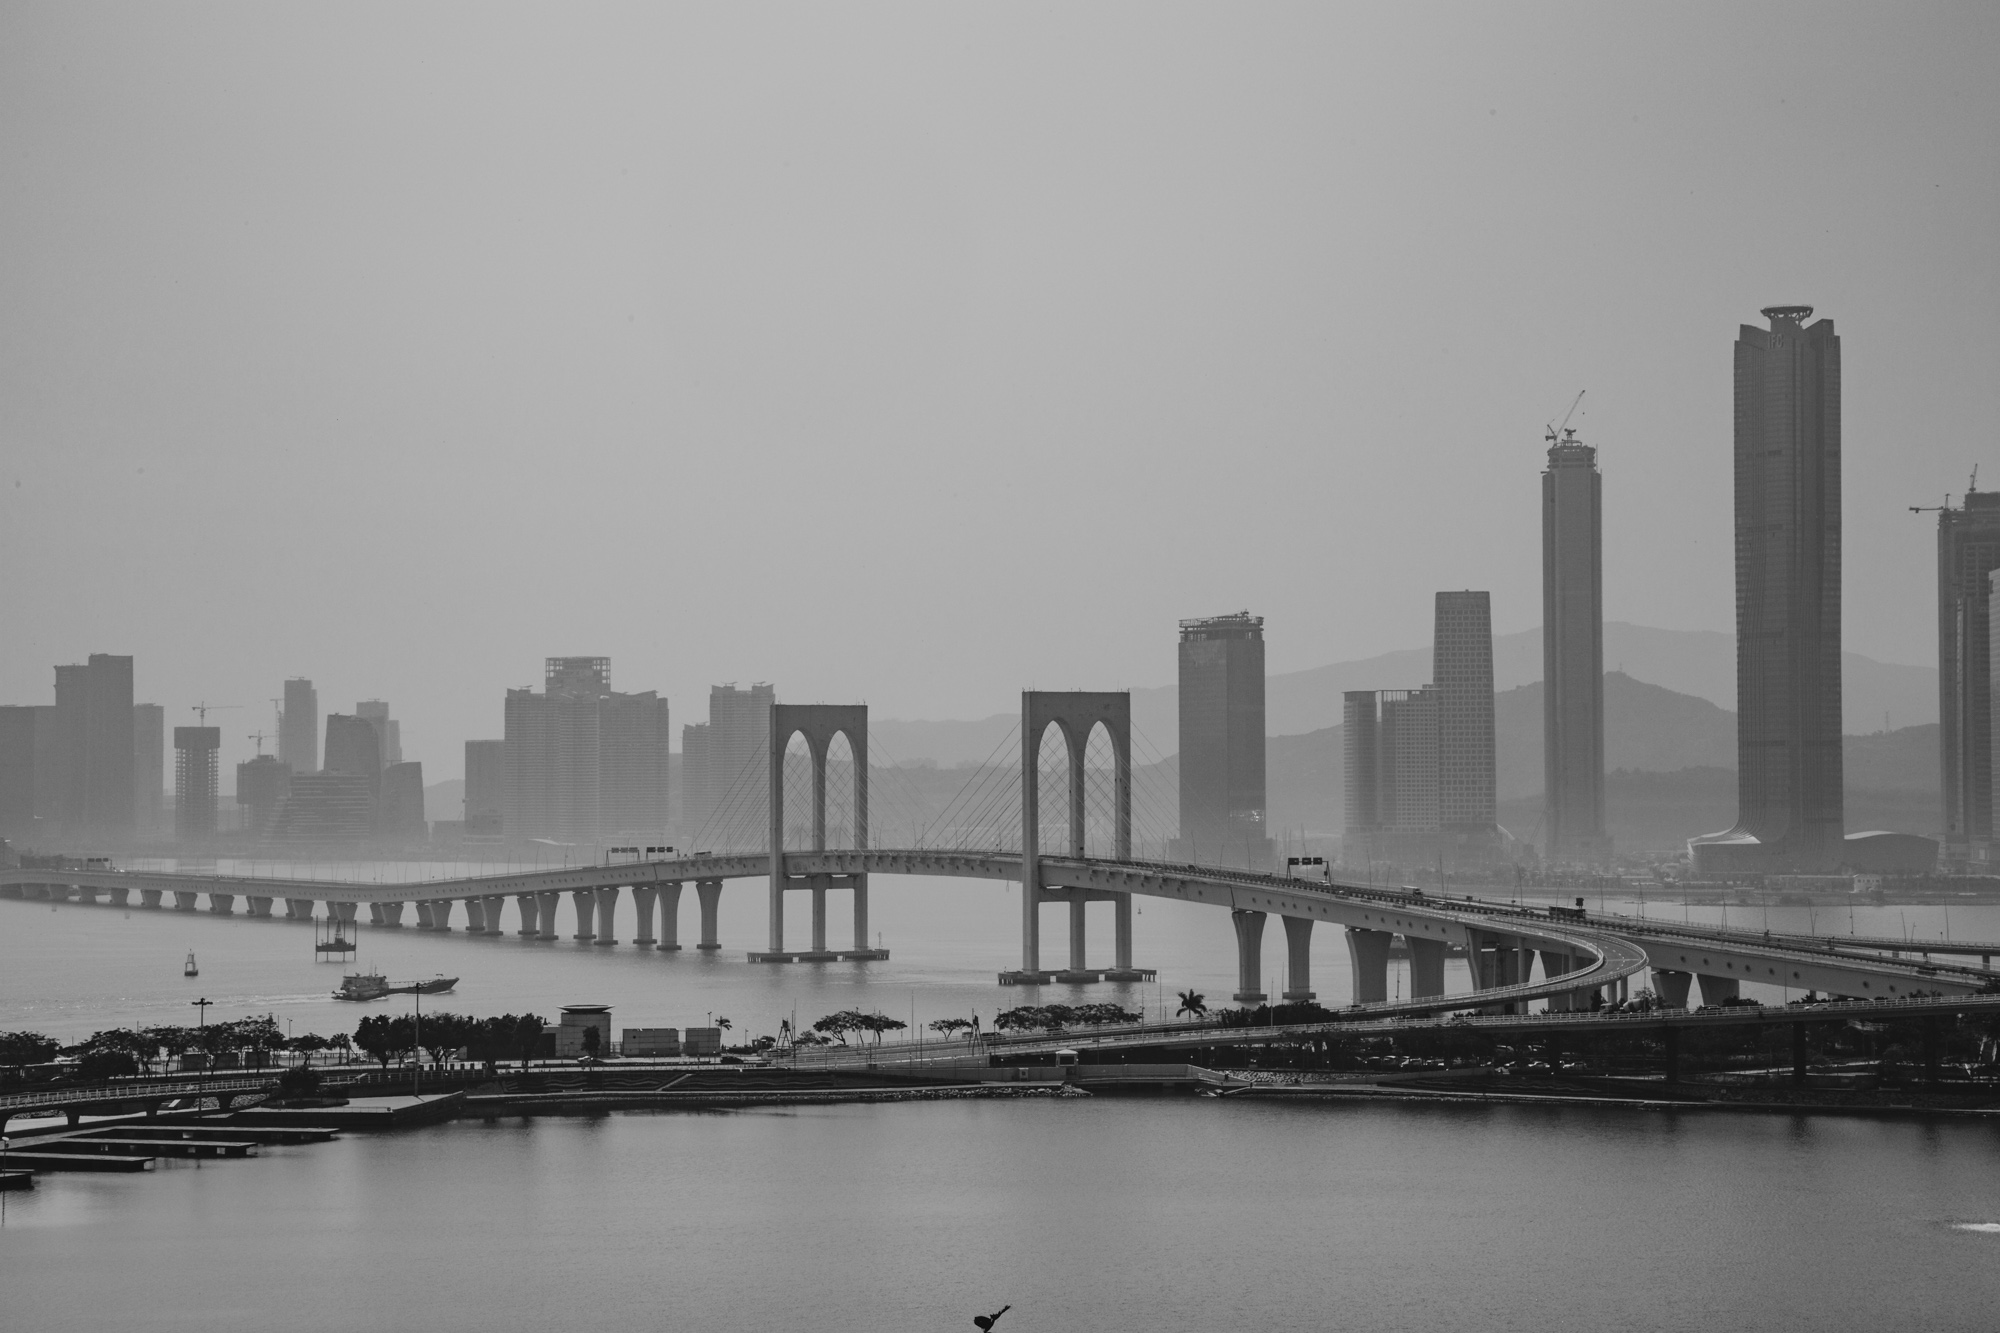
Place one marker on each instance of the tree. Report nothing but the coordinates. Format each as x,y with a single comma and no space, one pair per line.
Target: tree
840,1024
1099,1014
592,1043
877,1024
949,1028
298,1081
444,1033
100,1065
27,1048
308,1042
385,1038
1193,1005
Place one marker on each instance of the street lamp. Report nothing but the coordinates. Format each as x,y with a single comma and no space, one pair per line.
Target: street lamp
201,1007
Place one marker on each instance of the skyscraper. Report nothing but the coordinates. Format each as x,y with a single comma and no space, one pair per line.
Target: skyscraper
298,727
1789,801
195,780
1968,550
149,767
1222,792
1407,776
485,787
1573,653
261,787
581,760
1360,719
727,770
1462,675
93,770
354,747
388,731
399,810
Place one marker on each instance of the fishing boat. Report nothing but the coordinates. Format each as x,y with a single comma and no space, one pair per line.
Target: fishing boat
362,986
190,970
437,985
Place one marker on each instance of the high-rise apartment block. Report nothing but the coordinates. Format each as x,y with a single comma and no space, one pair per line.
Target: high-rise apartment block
298,727
1573,654
196,755
1222,792
1419,763
485,787
354,747
26,731
262,784
149,768
725,768
1968,552
388,731
1790,802
399,810
1462,674
583,761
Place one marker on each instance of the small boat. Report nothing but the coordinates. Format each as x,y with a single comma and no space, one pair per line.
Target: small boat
362,986
190,970
437,985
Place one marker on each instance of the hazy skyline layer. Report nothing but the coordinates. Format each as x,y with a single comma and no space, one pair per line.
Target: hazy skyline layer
919,356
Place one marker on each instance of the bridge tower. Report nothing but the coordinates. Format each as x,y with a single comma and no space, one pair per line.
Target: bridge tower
818,724
1075,714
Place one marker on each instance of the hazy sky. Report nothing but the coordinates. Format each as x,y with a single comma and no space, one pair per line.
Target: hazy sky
918,354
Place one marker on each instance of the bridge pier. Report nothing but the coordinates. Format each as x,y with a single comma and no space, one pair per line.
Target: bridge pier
670,918
149,898
1671,987
424,914
298,909
495,904
550,900
1298,958
1121,968
375,914
817,886
1368,954
392,915
1719,990
1555,962
85,894
709,893
123,898
222,904
642,906
1249,956
183,902
530,911
860,886
585,903
607,909
475,916
441,914
345,911
1426,967
258,906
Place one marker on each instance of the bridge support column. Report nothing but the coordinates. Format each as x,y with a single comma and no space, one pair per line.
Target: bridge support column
423,915
670,918
392,916
1298,958
86,894
259,906
123,898
298,909
818,890
1249,956
475,916
860,883
1671,987
530,910
494,904
709,892
1426,967
1555,962
149,898
550,899
1368,953
345,911
183,902
1719,990
585,901
374,914
607,916
1079,943
222,904
441,914
1121,968
642,905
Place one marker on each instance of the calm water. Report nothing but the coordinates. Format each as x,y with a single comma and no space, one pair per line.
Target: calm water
1088,1214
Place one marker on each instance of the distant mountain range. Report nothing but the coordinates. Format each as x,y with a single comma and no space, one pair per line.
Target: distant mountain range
1876,696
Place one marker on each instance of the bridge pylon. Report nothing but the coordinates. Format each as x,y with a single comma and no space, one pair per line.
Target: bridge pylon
818,724
1075,714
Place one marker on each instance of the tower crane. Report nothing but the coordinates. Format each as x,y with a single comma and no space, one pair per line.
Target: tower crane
260,737
204,708
1563,434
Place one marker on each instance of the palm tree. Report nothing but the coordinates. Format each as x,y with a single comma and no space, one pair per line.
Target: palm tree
1193,1004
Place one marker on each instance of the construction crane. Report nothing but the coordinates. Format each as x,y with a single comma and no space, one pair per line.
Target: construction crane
260,737
204,708
1563,434
1931,509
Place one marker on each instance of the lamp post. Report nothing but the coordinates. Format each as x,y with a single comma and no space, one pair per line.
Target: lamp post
201,1025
